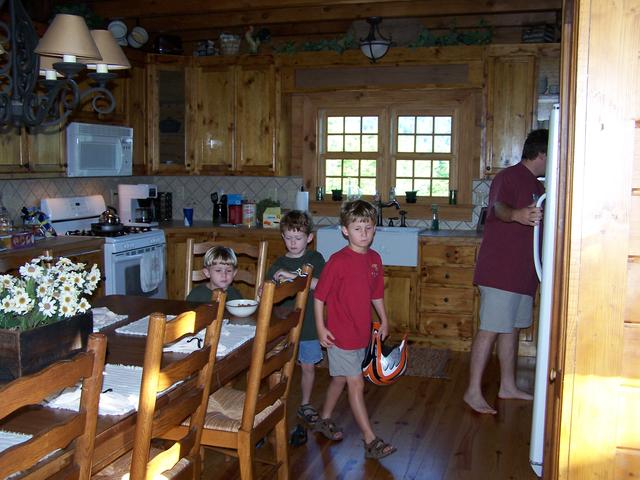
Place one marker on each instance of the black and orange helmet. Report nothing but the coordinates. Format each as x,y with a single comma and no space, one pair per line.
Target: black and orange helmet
383,365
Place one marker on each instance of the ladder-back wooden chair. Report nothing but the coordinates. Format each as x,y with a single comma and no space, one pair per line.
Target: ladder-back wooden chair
79,426
237,419
181,460
250,272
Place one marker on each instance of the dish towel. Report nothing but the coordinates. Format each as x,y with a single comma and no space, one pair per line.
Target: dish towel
139,327
103,317
151,269
9,439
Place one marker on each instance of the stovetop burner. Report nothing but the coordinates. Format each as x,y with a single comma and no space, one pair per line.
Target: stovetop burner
127,230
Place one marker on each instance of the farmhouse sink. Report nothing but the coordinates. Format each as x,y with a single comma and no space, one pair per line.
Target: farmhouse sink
398,246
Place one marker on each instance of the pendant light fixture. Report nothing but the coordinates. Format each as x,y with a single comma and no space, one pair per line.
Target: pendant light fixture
374,46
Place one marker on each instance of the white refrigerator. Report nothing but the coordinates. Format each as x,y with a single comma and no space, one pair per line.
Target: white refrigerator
544,260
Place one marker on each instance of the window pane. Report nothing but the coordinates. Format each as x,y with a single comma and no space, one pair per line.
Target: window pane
423,168
352,143
423,144
403,185
333,183
333,168
352,125
442,144
423,186
404,168
440,188
368,186
370,143
441,169
369,124
424,125
442,125
406,125
405,143
334,143
350,168
335,125
368,168
350,185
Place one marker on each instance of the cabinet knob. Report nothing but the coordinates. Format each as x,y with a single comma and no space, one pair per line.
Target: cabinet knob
446,300
448,255
446,275
552,375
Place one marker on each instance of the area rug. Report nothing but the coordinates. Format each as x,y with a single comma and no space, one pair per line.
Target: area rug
423,362
428,362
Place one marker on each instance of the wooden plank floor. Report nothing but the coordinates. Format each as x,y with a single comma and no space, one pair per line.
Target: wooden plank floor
437,436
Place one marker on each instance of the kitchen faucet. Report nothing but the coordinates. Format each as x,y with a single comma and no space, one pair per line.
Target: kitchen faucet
380,206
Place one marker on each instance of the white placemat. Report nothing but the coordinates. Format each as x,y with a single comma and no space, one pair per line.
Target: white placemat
120,391
139,327
9,439
103,317
232,336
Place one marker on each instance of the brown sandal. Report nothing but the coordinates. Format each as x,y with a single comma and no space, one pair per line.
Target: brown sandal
378,448
328,428
308,414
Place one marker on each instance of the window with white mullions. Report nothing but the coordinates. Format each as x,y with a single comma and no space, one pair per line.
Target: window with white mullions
350,156
423,154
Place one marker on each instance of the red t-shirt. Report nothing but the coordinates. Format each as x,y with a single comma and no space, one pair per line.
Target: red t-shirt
505,260
348,283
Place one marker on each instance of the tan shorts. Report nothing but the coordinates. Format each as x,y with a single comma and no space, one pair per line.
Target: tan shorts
502,311
345,363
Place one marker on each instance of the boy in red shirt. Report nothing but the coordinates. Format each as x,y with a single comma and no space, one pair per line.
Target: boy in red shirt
350,282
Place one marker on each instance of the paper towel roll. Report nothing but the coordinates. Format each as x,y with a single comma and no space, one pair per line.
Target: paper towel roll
302,201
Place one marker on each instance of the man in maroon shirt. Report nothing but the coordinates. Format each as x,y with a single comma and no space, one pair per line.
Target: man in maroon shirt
505,273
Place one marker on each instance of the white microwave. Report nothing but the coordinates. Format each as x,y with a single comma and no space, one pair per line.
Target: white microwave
95,150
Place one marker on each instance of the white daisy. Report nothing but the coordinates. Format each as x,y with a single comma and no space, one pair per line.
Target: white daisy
47,306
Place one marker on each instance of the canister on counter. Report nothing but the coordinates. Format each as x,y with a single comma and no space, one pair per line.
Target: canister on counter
249,213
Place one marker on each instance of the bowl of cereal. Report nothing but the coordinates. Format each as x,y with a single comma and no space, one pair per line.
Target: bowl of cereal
242,307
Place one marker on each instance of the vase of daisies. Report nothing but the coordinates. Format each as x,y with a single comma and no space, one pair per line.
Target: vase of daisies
45,314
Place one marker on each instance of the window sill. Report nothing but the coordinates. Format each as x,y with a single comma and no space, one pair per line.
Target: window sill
415,211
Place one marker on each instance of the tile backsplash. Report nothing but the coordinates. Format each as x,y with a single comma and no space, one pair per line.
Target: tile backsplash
195,190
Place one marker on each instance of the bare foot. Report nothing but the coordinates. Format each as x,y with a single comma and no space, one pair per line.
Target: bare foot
478,403
514,394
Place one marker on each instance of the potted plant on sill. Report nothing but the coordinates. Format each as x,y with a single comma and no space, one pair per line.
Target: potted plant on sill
44,314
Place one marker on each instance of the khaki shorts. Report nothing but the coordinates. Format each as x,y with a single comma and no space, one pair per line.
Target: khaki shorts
502,311
345,363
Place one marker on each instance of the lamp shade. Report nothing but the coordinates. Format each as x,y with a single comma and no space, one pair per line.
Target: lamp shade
68,35
47,68
374,49
112,55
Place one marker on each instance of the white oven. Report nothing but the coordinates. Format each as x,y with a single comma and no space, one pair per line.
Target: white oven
136,269
134,257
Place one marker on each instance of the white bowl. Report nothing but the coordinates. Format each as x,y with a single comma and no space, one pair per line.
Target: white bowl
242,308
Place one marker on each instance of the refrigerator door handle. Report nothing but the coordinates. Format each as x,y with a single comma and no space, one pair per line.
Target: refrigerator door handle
536,241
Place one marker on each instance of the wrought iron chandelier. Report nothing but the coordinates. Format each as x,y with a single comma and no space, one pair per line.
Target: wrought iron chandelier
65,50
372,46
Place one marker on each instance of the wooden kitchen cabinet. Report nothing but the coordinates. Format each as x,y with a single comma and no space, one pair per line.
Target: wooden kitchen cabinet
400,294
41,150
448,301
511,90
168,112
235,126
177,235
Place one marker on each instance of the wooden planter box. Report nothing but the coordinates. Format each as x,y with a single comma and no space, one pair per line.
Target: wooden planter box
22,353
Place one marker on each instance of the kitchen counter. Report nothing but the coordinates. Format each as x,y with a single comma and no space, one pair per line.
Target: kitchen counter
451,234
200,226
58,246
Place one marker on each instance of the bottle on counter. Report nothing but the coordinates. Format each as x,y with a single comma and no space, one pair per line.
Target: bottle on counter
6,224
249,213
435,221
392,194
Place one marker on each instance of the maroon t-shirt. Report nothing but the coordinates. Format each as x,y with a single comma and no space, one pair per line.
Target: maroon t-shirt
348,283
505,260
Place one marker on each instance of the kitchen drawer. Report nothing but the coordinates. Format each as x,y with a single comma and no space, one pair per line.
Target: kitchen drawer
447,275
445,326
439,254
447,299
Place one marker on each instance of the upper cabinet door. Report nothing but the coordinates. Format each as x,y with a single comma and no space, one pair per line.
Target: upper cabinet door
46,149
166,134
214,120
256,111
13,157
510,102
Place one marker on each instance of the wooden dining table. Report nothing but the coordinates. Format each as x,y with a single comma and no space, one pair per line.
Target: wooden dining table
115,434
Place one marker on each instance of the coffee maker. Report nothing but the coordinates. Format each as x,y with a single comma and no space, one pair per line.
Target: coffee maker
135,204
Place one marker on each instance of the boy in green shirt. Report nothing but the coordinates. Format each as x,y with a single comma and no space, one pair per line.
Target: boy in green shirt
296,228
220,267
